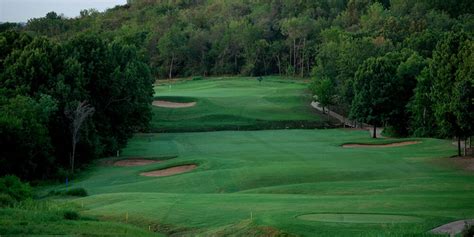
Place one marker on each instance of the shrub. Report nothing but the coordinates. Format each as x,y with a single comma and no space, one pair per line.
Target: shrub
13,187
468,231
6,200
78,192
198,78
71,215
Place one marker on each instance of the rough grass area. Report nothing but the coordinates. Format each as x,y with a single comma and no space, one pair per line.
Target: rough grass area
261,181
58,218
359,218
236,104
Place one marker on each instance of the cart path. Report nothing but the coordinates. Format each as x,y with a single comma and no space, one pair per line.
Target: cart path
453,228
346,121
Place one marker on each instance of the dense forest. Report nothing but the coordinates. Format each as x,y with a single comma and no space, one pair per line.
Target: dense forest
407,65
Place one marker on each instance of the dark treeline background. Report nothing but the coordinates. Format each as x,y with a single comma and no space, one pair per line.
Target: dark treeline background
404,64
41,80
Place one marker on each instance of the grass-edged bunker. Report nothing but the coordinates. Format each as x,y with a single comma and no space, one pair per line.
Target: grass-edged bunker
173,102
169,171
135,162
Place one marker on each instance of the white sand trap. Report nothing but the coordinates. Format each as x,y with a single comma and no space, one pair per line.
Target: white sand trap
134,162
359,218
452,228
397,144
169,171
172,105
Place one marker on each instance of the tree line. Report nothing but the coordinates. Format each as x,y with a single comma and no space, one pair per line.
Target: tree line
82,98
407,67
403,64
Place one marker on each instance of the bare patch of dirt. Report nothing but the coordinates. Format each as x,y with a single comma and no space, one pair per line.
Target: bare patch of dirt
397,144
465,162
452,228
134,162
172,105
169,171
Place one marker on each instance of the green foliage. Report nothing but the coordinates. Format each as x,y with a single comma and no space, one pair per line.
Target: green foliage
452,84
6,200
25,138
324,89
71,215
12,187
41,79
374,90
78,192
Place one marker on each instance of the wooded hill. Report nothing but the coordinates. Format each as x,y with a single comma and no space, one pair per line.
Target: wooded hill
404,64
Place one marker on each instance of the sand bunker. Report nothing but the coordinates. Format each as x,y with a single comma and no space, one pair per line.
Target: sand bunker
359,218
172,105
169,171
134,162
397,144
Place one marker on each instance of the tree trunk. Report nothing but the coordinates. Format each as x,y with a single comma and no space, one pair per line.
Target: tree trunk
302,57
294,56
465,147
459,146
375,131
171,67
73,155
279,65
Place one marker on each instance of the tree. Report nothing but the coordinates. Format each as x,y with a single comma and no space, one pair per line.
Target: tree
452,85
26,147
77,117
410,65
298,30
422,119
325,92
374,86
171,48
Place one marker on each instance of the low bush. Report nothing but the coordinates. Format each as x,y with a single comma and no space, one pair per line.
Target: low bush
198,78
78,192
12,186
71,215
6,200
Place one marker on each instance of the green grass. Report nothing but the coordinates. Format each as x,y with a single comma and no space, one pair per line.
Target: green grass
254,183
48,217
236,104
250,181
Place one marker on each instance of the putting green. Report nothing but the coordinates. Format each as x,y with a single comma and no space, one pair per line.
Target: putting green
359,218
236,104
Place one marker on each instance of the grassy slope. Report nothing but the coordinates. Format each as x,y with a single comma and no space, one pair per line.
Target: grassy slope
47,217
235,104
278,175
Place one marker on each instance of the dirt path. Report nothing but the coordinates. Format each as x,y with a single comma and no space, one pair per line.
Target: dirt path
346,121
452,228
172,105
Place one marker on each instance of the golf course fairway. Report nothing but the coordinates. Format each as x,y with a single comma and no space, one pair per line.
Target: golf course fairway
273,182
234,104
265,181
